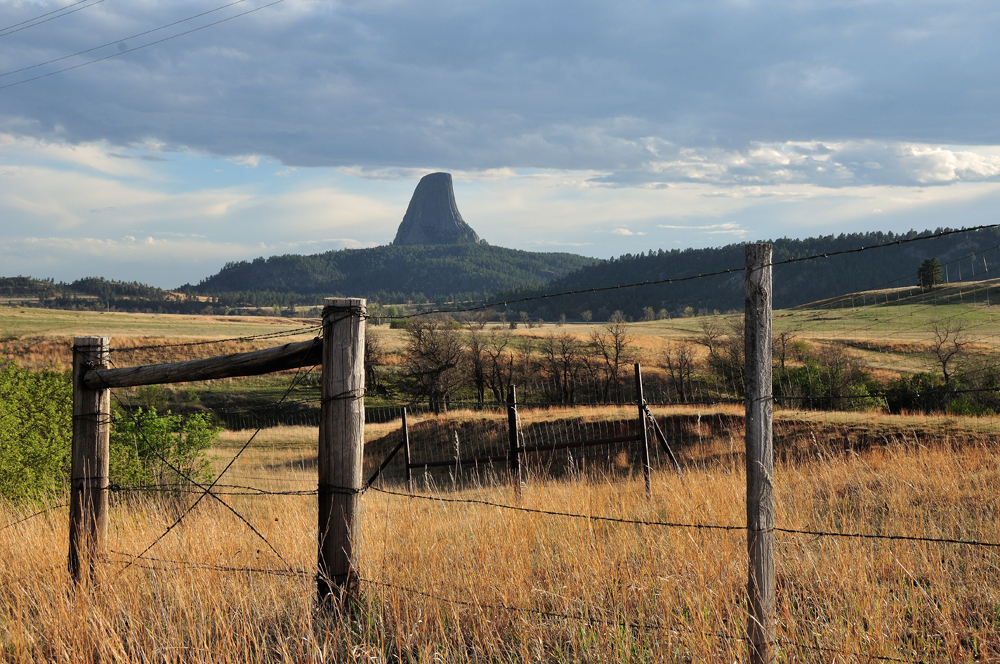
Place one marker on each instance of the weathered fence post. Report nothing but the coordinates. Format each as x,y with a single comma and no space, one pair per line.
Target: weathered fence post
88,511
406,452
759,453
513,456
641,400
341,440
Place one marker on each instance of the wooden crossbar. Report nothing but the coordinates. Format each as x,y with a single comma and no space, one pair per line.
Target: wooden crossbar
280,358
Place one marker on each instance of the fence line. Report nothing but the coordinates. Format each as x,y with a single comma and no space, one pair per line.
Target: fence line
345,490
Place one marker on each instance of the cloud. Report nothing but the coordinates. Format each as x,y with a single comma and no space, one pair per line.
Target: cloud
517,85
627,232
250,161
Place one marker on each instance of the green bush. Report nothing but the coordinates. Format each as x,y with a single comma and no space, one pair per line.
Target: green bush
149,448
36,433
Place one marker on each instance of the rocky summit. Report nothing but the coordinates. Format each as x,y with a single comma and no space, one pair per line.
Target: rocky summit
433,217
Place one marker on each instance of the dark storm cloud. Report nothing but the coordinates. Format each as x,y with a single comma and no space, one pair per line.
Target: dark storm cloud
631,87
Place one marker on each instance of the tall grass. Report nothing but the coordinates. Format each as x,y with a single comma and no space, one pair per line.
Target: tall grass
462,582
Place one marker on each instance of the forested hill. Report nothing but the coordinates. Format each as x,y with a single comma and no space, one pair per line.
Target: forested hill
794,284
396,273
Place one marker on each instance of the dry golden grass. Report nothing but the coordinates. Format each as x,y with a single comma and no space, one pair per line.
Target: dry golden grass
584,589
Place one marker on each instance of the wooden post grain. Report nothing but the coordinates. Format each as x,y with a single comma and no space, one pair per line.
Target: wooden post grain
759,455
643,431
406,452
341,439
514,455
88,511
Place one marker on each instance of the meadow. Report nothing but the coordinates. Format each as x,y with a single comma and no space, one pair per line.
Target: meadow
464,581
468,582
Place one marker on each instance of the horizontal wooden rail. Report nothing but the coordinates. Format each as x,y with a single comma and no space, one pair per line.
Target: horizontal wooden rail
255,363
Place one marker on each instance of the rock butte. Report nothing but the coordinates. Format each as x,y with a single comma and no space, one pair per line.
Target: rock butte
433,217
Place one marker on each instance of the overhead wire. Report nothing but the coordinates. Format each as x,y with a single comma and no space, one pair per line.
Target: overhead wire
66,12
119,41
139,48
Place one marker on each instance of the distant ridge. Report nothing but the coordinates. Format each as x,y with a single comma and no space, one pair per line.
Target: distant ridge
975,254
396,272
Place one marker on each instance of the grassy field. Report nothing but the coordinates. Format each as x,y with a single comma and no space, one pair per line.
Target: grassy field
464,582
460,582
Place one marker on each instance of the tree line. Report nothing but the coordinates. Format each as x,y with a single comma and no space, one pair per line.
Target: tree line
445,361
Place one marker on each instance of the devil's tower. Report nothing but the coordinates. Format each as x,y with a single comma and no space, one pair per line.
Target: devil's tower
433,217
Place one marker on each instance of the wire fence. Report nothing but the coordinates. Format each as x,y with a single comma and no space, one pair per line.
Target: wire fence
442,442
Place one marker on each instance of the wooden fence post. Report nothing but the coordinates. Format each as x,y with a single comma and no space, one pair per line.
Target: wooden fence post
759,453
406,452
88,512
514,455
341,440
640,399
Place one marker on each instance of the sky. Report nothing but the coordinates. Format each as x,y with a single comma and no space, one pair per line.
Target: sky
599,128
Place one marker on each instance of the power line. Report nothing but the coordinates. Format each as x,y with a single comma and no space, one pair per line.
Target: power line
118,41
8,31
138,48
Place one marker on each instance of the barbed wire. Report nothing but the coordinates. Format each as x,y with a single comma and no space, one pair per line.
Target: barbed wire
690,526
292,332
545,613
186,564
233,489
206,490
32,516
588,618
676,280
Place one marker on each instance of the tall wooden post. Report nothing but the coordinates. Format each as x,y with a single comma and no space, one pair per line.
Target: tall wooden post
759,454
406,452
514,455
341,439
646,468
88,511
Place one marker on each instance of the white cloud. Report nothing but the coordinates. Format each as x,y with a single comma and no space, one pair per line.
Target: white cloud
250,161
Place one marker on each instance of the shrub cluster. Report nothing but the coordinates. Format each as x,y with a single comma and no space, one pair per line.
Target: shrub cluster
36,435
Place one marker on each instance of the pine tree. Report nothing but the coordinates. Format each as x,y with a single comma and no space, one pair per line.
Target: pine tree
929,274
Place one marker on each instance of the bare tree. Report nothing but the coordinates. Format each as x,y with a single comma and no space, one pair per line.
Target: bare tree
712,332
482,318
780,343
680,361
561,363
949,341
612,347
476,362
374,358
726,355
433,353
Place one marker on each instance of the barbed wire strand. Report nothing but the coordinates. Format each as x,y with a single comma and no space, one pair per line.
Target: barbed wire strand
207,491
691,526
292,332
676,280
604,621
32,516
